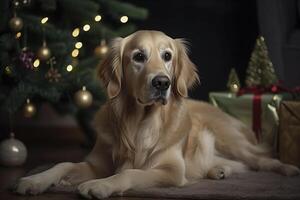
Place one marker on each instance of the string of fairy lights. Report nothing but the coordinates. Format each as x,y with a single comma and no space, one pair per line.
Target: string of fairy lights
83,98
78,45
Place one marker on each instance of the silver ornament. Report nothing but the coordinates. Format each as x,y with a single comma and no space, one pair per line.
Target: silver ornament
12,152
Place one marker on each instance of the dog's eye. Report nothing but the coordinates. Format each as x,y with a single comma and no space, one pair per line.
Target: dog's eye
167,56
139,57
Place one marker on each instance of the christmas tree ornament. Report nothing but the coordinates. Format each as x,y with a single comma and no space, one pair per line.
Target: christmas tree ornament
16,3
44,53
26,57
83,98
29,109
7,70
12,152
16,24
53,74
260,71
233,83
101,50
26,2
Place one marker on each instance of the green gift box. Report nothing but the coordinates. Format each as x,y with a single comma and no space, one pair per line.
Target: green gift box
258,112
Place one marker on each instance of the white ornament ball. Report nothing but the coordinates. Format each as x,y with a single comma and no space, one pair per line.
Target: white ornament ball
12,152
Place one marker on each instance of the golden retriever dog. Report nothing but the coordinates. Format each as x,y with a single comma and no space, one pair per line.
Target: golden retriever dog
149,133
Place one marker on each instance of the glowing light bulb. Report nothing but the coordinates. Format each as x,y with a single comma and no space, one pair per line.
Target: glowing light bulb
75,32
69,68
44,20
78,45
75,53
36,63
18,35
98,18
124,19
86,27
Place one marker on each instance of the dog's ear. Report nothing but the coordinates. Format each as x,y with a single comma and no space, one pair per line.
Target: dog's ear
110,69
185,70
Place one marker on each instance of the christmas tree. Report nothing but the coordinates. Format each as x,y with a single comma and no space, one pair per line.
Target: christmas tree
260,71
49,50
233,83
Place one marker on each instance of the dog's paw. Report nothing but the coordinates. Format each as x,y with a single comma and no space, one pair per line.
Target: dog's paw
217,173
99,189
289,170
31,185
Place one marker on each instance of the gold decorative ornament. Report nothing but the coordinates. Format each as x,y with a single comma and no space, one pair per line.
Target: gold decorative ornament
83,98
233,83
7,70
29,109
16,24
53,74
101,50
234,88
44,53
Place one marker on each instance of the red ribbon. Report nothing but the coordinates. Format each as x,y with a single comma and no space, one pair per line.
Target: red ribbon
256,102
273,89
256,116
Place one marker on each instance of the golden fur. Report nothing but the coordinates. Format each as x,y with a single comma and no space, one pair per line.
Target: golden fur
144,142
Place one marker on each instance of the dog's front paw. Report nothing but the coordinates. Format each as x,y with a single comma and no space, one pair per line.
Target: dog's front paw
31,185
99,189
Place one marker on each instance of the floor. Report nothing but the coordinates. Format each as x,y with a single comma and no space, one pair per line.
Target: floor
52,145
45,146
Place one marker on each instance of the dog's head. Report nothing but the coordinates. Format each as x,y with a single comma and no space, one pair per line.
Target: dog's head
148,66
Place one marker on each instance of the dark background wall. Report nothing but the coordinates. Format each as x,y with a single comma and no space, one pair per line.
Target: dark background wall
221,34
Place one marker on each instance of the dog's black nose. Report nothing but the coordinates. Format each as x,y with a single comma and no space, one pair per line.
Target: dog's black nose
161,83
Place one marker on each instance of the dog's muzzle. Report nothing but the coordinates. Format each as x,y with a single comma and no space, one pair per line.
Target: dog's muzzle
161,85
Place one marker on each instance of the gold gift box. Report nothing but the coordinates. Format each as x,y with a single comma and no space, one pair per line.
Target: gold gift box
289,132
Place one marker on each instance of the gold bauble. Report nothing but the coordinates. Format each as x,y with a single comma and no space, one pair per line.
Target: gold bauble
16,3
44,53
101,50
7,70
29,109
83,98
234,88
16,24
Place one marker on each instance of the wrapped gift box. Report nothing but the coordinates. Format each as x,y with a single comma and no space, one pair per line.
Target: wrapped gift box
262,118
289,132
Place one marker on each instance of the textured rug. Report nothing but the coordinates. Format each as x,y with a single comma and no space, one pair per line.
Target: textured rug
250,185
